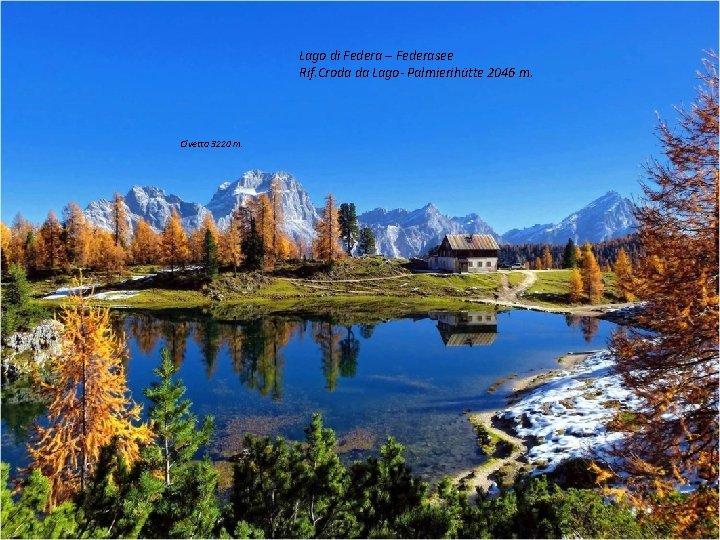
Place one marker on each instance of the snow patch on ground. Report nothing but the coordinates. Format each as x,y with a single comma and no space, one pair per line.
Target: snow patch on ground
64,292
114,295
567,416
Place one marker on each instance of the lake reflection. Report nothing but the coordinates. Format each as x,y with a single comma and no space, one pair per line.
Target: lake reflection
411,378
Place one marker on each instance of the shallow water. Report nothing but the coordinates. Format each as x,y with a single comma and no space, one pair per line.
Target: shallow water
410,378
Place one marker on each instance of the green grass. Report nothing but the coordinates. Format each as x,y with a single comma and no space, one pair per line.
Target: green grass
515,278
552,286
331,288
552,282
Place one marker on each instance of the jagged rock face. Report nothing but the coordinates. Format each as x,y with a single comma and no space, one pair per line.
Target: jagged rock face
300,215
151,204
610,216
43,342
399,233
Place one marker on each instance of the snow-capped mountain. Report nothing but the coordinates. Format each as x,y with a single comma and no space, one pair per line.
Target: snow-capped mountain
298,211
398,233
155,206
402,233
151,204
610,216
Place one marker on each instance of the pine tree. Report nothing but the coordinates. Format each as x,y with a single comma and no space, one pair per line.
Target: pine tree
348,224
325,482
623,275
15,304
188,508
673,368
120,223
366,244
253,247
24,517
591,275
576,286
119,500
547,260
171,420
382,489
325,246
89,403
569,258
174,243
210,259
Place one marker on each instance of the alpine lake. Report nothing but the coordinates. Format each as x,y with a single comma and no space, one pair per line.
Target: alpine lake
413,378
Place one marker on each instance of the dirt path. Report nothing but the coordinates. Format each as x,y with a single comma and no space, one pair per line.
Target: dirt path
511,294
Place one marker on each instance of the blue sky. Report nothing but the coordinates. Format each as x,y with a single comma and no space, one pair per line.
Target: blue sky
97,96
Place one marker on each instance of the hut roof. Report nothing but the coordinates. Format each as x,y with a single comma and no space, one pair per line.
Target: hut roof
461,242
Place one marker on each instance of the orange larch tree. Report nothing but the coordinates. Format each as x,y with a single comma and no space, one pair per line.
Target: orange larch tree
674,369
326,246
105,255
53,254
230,244
89,403
547,260
22,233
624,276
5,243
591,275
120,224
262,211
77,235
576,286
145,245
197,238
175,249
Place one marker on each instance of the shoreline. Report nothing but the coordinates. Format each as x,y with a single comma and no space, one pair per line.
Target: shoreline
485,476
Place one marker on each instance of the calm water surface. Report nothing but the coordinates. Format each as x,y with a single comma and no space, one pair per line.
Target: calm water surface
410,378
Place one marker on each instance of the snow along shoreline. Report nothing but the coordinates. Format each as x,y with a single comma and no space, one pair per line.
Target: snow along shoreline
567,416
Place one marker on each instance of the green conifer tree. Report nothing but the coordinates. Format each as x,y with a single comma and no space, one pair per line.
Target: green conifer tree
188,507
253,247
325,482
210,255
382,489
349,231
569,255
366,244
24,517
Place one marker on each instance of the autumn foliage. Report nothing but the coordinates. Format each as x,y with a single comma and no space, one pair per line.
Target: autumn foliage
624,277
591,275
326,246
89,403
674,370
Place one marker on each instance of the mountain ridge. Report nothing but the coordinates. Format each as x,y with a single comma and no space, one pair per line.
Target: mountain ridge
399,232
